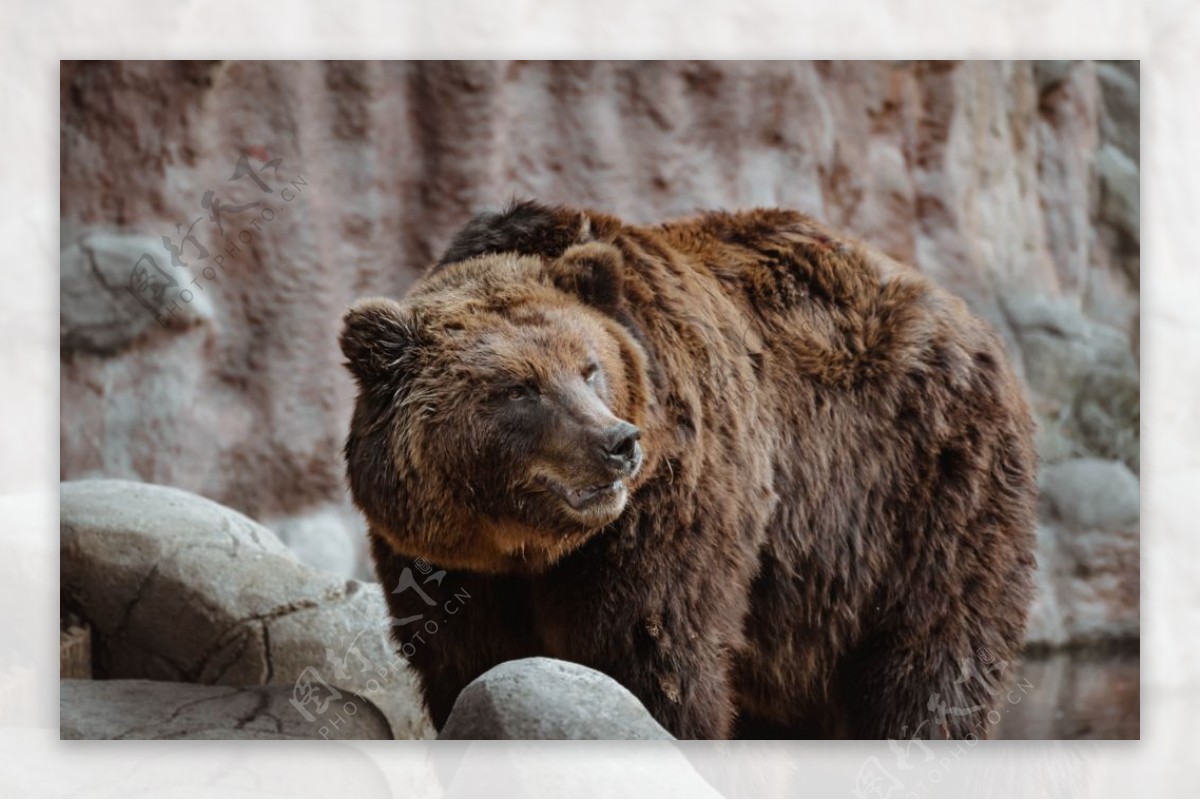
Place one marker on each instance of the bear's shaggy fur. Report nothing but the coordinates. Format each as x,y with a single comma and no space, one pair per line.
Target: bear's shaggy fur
823,528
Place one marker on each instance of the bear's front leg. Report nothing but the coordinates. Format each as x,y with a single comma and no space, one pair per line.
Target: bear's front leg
917,688
681,676
669,643
451,626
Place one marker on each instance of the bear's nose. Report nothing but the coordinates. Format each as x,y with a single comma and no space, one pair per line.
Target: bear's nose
621,444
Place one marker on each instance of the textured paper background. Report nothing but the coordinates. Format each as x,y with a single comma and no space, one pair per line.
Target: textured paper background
1163,34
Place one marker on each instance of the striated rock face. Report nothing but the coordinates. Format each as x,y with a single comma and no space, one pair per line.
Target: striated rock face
177,588
544,698
1014,184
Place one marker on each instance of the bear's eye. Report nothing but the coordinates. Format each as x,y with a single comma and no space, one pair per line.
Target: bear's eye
522,391
590,372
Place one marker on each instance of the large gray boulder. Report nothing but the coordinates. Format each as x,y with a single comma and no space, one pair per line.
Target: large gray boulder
1083,377
1089,573
161,710
544,698
178,588
99,313
1091,493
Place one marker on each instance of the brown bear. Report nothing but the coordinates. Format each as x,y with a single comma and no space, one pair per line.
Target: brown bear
773,482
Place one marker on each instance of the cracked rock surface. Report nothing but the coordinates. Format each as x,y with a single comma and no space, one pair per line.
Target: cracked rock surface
544,698
139,709
178,588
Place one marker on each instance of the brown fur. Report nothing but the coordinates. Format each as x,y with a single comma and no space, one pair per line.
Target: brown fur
831,533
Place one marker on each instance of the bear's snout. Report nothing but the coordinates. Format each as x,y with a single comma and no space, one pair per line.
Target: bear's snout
619,448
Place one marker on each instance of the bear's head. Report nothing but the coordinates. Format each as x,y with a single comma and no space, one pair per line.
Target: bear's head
500,410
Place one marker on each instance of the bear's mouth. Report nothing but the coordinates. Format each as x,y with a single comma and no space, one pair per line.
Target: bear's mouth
587,498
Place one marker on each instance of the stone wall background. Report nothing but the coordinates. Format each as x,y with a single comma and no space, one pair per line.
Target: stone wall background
1014,184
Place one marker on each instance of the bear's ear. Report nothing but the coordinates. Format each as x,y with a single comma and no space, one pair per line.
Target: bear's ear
378,339
592,272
